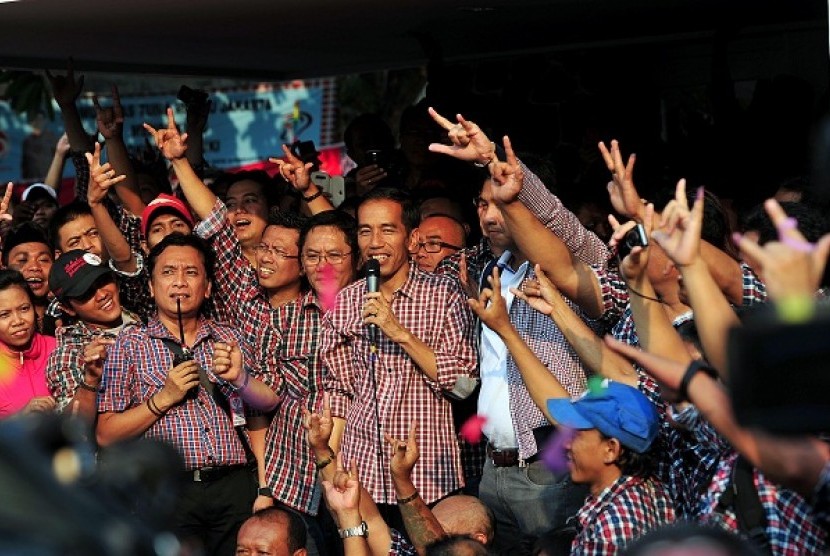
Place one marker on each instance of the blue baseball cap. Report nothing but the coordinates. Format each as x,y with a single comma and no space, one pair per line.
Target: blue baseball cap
617,411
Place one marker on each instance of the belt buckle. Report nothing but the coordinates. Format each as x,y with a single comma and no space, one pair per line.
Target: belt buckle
197,475
522,463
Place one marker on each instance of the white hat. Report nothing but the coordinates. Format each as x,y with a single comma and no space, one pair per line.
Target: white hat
36,186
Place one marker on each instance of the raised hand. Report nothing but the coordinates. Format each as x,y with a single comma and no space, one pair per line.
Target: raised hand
621,190
180,380
679,230
110,120
490,306
405,454
667,373
468,141
293,170
169,141
507,176
343,493
635,262
377,311
41,404
4,204
65,88
101,177
95,352
318,426
227,361
791,266
540,293
62,146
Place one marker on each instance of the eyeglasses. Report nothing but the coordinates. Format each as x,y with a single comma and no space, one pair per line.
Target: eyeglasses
435,246
335,257
263,249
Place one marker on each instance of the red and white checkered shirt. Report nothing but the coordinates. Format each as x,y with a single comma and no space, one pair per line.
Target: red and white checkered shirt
622,512
136,368
434,309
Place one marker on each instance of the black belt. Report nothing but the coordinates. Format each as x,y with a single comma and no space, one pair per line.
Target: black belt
510,457
207,474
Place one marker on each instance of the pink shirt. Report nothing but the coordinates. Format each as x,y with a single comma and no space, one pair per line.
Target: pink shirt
23,375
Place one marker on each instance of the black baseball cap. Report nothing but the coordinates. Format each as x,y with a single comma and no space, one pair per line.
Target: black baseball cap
74,272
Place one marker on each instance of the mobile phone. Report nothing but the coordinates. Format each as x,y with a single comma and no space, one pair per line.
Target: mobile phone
375,156
333,187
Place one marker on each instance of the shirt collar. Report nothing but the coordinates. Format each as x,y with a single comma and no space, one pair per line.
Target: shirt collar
155,329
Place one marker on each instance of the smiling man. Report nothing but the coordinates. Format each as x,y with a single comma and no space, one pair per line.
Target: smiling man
424,346
27,250
87,290
439,236
185,380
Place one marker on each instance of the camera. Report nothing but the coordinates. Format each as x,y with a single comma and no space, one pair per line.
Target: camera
636,237
192,96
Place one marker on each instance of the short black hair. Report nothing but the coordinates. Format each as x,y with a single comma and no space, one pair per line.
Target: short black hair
63,216
10,278
297,537
290,220
811,223
335,219
269,187
634,464
687,533
375,126
178,239
27,232
409,211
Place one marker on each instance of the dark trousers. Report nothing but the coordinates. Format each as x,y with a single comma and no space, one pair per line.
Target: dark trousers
209,513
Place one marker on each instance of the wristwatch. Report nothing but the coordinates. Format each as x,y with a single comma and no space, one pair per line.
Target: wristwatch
359,531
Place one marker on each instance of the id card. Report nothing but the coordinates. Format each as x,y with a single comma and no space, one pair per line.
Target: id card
237,409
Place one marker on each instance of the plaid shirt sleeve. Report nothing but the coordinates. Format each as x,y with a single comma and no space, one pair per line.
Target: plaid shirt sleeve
821,498
234,278
336,354
64,370
81,174
134,289
549,210
456,354
755,291
614,294
115,392
400,546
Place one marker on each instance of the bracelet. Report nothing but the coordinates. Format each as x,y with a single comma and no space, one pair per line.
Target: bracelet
638,294
244,383
265,491
409,498
694,367
85,386
323,464
154,409
312,197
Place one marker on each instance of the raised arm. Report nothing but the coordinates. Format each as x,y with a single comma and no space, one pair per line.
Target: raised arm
492,310
173,147
679,236
55,173
66,90
542,296
298,175
110,123
101,179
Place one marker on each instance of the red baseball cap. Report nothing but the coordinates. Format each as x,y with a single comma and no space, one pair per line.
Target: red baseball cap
166,203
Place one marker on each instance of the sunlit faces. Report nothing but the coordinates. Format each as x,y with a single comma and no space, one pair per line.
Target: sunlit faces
327,246
440,234
179,274
34,261
587,456
100,305
81,233
163,225
17,318
277,258
491,220
247,211
381,235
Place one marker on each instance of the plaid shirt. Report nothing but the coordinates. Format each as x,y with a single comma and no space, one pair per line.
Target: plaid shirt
622,512
65,368
234,279
136,368
291,348
287,339
537,330
792,526
434,310
821,498
400,546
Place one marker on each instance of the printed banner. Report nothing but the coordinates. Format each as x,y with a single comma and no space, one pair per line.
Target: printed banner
244,127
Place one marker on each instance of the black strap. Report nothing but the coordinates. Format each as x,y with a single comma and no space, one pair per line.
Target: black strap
216,393
742,496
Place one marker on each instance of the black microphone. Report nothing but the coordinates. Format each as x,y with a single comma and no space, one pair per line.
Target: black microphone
373,286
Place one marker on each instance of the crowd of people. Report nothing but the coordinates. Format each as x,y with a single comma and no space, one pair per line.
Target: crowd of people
412,372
